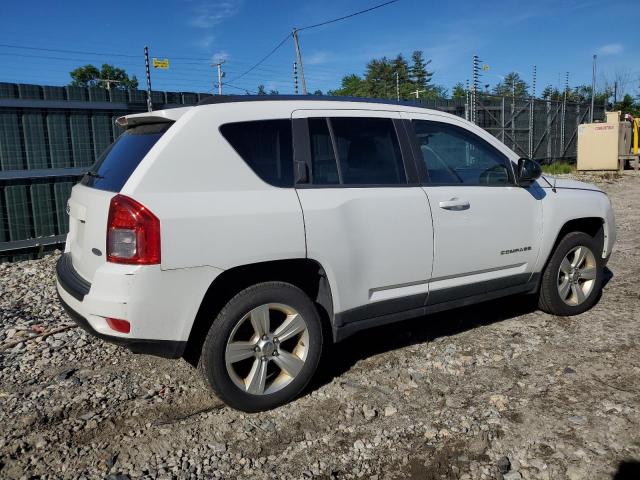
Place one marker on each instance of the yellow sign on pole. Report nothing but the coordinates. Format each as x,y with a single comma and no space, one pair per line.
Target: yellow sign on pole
161,63
485,67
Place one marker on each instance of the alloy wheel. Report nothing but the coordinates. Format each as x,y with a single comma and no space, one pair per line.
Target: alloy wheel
267,349
577,275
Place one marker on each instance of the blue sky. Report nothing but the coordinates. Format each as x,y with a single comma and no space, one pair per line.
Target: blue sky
557,36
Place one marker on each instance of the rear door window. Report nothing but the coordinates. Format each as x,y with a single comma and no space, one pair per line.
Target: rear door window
368,151
266,146
114,167
323,159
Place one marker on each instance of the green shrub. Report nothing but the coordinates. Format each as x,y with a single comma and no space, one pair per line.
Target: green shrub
556,168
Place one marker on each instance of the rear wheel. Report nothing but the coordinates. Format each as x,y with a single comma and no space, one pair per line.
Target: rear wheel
263,347
572,281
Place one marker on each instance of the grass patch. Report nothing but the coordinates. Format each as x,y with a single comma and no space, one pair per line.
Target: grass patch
556,168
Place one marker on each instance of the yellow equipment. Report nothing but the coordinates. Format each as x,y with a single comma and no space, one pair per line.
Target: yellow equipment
609,145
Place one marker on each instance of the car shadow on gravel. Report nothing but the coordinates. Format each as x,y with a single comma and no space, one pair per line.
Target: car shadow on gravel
628,470
339,358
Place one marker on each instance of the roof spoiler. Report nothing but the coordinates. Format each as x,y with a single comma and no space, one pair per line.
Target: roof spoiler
157,116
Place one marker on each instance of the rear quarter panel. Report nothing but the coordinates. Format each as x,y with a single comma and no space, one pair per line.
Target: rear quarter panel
213,209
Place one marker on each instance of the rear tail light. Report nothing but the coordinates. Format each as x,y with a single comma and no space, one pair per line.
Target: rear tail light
133,233
121,326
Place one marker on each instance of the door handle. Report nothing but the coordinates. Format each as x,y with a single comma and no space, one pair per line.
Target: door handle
455,204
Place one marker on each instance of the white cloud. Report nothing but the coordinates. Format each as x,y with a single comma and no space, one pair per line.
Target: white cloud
219,57
316,58
610,49
206,41
207,14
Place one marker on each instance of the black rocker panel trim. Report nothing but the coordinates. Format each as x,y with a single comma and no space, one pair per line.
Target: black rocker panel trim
455,293
367,317
377,309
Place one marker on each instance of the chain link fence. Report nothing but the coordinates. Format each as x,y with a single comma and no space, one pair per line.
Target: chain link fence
50,135
545,130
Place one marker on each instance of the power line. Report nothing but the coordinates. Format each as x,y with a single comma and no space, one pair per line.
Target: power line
164,53
227,84
6,45
348,16
282,42
24,55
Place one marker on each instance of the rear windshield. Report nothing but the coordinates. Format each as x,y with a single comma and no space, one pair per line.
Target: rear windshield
114,167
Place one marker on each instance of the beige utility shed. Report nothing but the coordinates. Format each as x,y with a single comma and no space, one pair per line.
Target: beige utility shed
606,146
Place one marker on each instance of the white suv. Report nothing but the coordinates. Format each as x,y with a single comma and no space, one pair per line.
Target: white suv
245,232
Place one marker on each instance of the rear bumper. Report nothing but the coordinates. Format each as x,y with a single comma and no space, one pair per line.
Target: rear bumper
159,348
75,296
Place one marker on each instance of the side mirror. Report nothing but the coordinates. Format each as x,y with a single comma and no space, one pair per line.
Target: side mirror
528,172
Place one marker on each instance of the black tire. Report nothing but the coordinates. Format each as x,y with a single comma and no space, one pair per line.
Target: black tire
212,359
549,298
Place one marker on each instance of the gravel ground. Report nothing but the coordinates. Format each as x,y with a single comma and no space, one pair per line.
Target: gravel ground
498,390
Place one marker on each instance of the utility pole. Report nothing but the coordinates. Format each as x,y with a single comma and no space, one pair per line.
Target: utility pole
513,113
220,75
467,101
418,92
532,107
295,78
615,93
148,71
108,81
299,57
564,113
474,90
397,74
593,89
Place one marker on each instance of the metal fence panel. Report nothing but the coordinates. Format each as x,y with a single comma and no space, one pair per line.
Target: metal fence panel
81,139
4,226
8,90
543,129
118,96
101,126
97,94
35,142
11,152
18,216
44,215
76,93
30,91
58,131
62,192
53,93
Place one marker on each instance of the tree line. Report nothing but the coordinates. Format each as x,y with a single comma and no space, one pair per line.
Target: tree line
389,78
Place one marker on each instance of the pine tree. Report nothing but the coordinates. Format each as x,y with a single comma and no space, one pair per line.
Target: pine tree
459,92
379,80
419,74
511,85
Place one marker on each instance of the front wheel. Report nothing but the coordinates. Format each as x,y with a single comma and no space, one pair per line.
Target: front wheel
263,347
572,281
